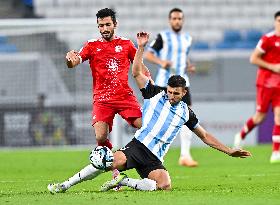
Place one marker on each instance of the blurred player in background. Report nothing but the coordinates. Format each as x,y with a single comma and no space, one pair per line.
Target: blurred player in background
267,57
170,51
109,59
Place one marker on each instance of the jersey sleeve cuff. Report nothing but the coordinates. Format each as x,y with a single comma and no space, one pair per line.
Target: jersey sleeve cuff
81,60
196,125
260,49
147,83
151,50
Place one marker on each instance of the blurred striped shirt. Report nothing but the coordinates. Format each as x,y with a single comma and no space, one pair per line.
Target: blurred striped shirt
173,47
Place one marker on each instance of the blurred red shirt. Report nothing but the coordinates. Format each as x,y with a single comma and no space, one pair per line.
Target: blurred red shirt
269,44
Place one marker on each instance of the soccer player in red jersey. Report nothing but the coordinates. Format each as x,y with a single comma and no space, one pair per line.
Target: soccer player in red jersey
267,57
109,59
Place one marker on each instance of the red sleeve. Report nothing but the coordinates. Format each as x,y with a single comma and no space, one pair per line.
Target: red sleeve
85,52
263,44
131,51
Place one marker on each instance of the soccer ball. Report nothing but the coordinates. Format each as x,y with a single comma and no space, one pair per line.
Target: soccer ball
101,157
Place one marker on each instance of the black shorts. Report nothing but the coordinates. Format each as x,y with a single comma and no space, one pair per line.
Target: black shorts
141,158
186,98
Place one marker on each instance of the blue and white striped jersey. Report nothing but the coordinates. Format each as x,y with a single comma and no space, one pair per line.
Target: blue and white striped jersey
173,47
162,121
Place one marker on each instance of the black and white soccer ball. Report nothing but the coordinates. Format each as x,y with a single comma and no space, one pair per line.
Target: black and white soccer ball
101,157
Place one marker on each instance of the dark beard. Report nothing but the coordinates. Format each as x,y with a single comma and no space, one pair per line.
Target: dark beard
107,38
177,30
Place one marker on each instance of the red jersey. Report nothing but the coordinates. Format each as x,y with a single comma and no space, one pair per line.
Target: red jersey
269,44
109,63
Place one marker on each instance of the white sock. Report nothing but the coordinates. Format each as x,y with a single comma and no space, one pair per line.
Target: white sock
140,184
87,173
185,137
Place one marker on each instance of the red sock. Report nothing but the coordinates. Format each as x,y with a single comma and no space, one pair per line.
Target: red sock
276,138
106,143
247,128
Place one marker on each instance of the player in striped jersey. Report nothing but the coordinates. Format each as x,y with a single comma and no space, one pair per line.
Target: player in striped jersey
164,114
170,52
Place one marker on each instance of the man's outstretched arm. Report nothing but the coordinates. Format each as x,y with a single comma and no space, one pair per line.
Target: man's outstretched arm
138,66
210,140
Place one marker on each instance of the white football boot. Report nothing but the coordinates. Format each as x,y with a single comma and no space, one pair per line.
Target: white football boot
56,188
275,157
113,183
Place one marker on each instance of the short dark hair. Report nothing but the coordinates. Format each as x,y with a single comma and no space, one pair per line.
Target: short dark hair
105,13
174,10
276,14
176,81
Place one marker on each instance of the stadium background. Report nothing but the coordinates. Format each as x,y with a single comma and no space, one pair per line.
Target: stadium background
43,103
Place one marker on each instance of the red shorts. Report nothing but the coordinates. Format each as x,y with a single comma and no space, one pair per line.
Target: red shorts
265,96
129,109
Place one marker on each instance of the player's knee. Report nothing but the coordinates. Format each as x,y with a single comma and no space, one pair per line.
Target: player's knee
138,123
101,137
162,178
262,117
119,160
164,185
259,117
277,119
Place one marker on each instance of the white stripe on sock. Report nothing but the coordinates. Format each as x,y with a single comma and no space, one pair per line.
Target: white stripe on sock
87,173
276,138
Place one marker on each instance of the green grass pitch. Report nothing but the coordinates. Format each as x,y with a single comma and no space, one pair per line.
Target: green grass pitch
219,179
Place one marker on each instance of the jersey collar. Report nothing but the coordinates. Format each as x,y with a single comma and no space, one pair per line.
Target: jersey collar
101,39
